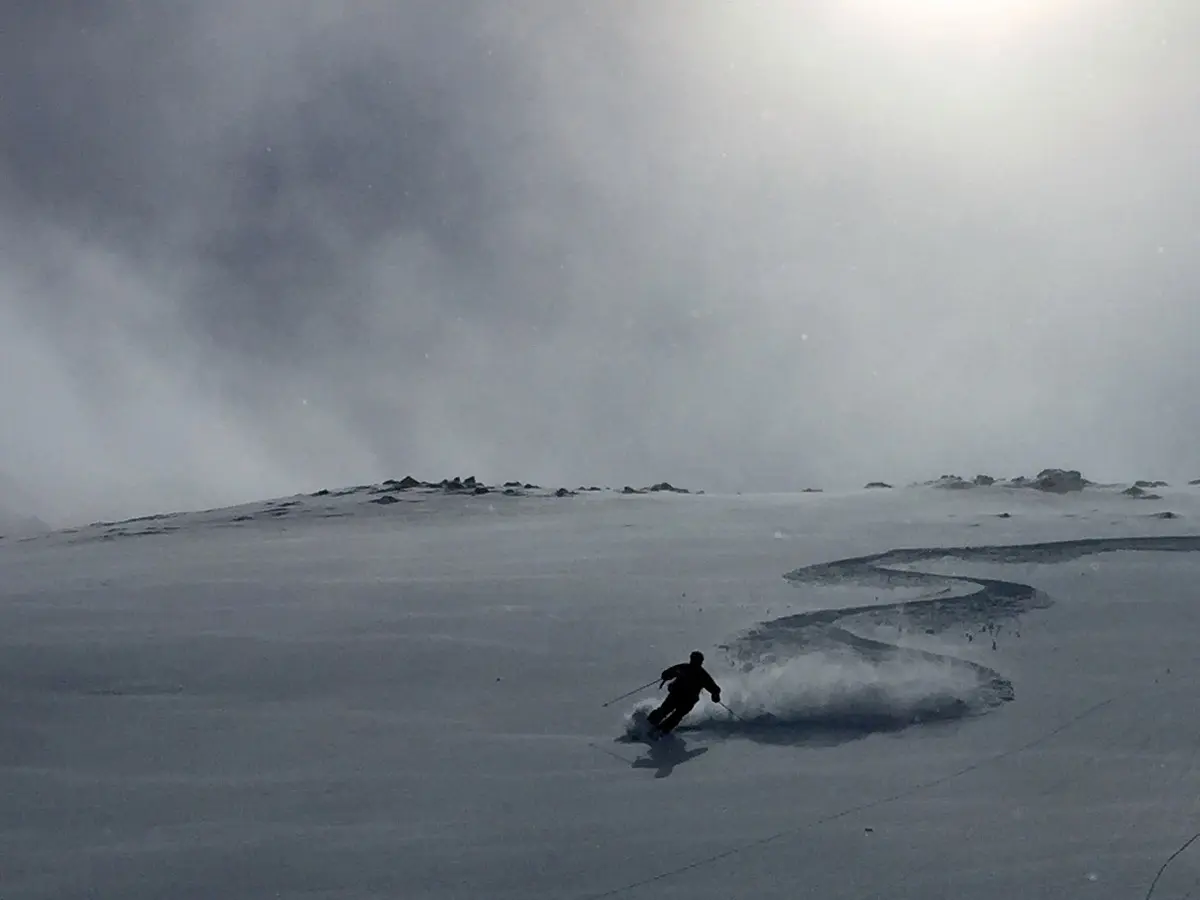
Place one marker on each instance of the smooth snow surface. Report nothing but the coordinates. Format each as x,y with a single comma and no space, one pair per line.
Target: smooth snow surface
325,697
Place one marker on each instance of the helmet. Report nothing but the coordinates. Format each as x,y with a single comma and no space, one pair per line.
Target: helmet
697,657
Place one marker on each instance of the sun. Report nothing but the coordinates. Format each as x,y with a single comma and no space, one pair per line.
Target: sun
950,20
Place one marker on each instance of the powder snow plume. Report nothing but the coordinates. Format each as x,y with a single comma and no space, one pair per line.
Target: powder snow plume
837,694
834,688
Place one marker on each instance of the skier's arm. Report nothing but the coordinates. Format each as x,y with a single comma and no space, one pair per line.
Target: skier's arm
713,688
669,674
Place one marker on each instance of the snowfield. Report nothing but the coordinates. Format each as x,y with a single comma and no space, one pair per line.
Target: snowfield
987,692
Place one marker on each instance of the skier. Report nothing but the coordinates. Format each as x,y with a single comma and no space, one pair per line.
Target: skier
687,680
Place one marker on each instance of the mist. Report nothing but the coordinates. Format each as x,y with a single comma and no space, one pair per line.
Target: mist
249,250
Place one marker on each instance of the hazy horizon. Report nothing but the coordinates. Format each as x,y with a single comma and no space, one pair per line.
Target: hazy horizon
253,251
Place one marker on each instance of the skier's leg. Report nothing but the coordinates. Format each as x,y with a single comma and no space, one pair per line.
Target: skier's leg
681,709
657,715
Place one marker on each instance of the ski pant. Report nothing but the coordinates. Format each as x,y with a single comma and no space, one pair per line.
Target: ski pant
671,713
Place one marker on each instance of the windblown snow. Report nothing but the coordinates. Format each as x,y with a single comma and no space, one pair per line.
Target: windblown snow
982,692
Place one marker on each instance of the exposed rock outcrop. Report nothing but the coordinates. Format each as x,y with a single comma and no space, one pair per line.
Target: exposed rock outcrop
667,486
1139,493
1059,481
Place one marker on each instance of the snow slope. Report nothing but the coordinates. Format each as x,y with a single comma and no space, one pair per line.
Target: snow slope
16,525
15,520
984,693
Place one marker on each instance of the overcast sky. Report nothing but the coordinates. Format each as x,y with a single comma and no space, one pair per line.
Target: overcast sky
249,249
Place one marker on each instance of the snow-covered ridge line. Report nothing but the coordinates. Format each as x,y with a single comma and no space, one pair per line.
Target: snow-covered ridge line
470,485
401,493
20,526
359,501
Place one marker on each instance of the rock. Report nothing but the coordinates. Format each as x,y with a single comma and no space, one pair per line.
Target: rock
877,484
1194,482
1138,494
813,491
1150,484
482,489
984,480
512,484
385,500
1004,516
630,490
1060,481
953,483
1166,515
405,484
563,492
667,486
322,493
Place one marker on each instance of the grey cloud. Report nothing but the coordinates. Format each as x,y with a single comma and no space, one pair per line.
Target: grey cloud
253,248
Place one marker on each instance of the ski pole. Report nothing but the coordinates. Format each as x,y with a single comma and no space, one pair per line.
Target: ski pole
630,694
732,713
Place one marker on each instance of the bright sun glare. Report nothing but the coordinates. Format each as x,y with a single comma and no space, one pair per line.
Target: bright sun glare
950,19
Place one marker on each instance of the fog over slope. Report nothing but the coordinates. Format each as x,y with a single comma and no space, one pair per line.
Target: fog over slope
16,524
255,249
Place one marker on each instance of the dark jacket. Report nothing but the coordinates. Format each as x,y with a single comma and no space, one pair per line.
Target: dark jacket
688,679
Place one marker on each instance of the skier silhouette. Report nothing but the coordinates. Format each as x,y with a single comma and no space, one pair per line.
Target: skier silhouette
687,680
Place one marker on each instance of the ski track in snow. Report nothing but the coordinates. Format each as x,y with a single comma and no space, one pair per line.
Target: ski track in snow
863,695
809,680
992,601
